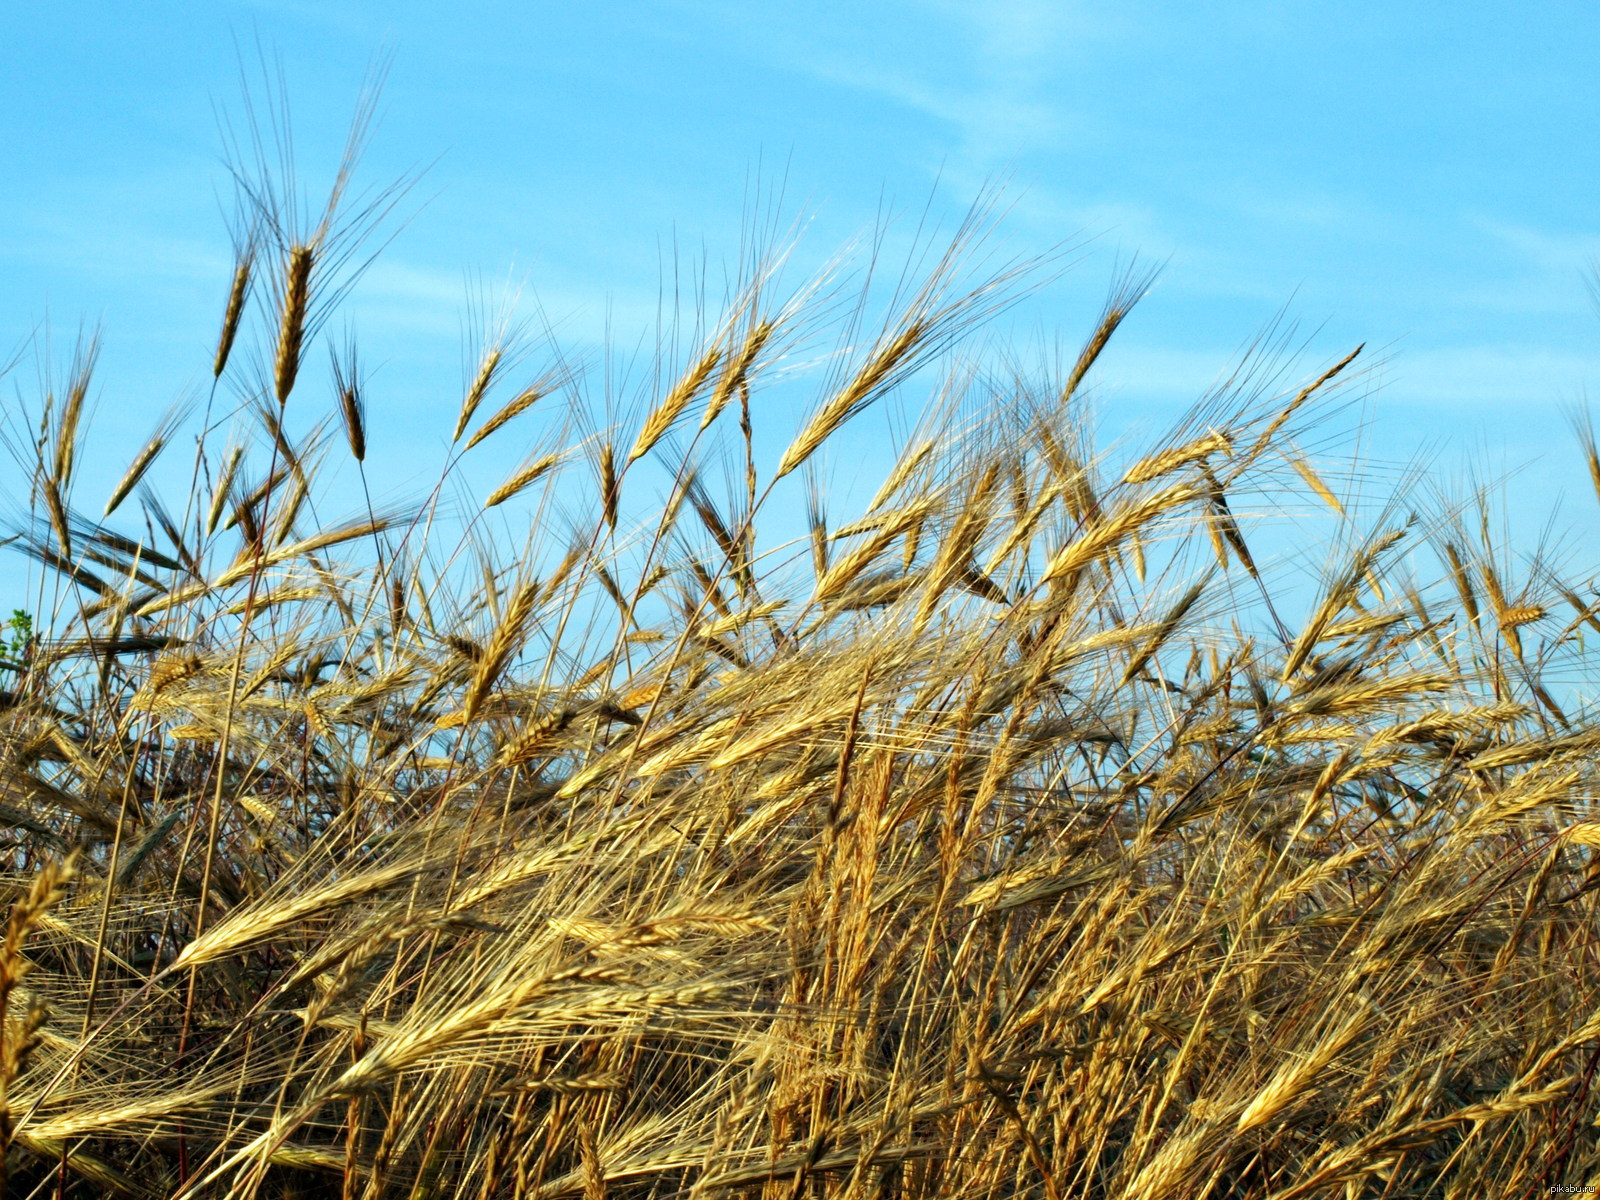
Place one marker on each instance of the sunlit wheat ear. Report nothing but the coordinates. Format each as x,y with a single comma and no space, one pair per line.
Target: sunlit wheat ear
1127,293
666,414
610,484
507,637
904,469
1518,615
1167,461
564,569
1114,314
238,295
44,893
253,925
1509,617
292,326
523,478
53,474
1316,484
817,522
1102,536
248,561
736,369
488,371
1339,595
1462,581
85,358
135,472
143,461
56,509
1163,631
880,369
223,487
848,567
246,507
1264,438
352,405
519,404
1025,525
287,451
289,510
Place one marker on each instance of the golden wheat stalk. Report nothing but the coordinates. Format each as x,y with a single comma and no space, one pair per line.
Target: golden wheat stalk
1336,600
19,1039
514,408
233,313
224,487
249,562
665,415
1264,438
1127,293
507,637
610,484
254,925
1315,483
488,371
1100,537
1167,461
298,263
737,368
881,368
1163,631
352,405
85,358
136,471
523,478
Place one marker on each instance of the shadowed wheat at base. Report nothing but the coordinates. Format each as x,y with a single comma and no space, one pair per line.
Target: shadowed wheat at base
986,842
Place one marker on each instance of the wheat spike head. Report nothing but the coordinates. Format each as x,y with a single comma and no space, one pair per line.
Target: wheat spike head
233,314
298,263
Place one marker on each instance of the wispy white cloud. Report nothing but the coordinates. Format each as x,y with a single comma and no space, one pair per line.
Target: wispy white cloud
401,297
987,69
130,225
1555,251
1533,380
1526,378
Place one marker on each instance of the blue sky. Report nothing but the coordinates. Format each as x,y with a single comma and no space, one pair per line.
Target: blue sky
1421,177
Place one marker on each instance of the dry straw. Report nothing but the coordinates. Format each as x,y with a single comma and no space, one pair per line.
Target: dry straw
1038,828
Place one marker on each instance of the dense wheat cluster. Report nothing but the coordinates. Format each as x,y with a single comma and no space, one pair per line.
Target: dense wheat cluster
1009,837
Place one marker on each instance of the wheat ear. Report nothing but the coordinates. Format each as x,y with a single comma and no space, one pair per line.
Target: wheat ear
481,382
663,416
880,369
352,405
238,294
522,479
292,329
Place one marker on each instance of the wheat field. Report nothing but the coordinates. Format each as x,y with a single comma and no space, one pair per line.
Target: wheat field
1025,832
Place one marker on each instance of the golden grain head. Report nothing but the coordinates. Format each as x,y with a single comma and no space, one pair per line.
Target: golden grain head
488,370
297,268
233,313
